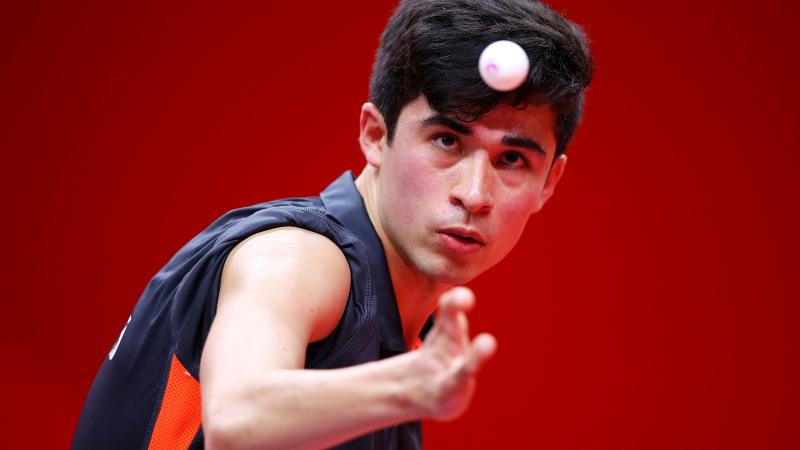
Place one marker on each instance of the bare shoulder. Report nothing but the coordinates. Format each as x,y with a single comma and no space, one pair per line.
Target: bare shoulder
292,272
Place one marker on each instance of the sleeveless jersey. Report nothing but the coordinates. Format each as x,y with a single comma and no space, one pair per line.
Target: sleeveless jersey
147,392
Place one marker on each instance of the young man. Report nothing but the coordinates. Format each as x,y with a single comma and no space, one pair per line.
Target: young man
251,310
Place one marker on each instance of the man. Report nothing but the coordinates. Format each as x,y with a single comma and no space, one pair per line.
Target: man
252,309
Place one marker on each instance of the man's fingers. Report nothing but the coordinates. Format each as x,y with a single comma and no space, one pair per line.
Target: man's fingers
453,305
463,324
458,299
482,348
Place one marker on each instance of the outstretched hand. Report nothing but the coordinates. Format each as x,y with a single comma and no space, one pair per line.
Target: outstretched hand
449,361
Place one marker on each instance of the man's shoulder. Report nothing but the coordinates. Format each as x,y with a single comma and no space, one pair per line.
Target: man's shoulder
308,266
286,248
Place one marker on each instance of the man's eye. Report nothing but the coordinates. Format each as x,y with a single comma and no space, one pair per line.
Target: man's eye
446,141
513,159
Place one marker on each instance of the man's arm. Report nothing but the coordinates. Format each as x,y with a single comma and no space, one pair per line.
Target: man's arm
287,287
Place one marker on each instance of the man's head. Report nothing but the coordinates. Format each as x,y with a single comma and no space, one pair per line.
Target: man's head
431,47
456,169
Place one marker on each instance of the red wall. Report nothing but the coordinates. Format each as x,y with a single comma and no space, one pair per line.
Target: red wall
650,306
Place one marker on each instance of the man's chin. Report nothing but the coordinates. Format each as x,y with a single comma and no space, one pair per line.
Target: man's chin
449,270
455,274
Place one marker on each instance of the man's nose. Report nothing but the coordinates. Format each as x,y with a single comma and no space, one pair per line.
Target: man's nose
474,190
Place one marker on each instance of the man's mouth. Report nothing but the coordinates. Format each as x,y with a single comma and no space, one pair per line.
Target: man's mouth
462,239
464,234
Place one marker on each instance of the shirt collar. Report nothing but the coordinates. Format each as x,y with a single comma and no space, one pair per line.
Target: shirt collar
344,202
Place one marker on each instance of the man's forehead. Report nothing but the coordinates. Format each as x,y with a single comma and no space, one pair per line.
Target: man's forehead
503,114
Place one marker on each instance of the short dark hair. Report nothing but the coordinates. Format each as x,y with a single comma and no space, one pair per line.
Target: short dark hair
432,47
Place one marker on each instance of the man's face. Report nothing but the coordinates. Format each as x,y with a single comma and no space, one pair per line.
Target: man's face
455,196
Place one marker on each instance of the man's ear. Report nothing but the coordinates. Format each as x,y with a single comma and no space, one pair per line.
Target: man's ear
372,136
556,171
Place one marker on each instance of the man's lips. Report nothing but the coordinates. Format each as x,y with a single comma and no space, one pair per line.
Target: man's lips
466,235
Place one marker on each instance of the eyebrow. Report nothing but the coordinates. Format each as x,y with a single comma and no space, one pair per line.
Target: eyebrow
520,141
458,127
437,120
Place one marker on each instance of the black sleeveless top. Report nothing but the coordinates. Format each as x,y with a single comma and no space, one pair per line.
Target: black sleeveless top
147,392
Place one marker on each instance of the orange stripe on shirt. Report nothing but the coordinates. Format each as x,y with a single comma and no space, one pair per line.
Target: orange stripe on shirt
179,417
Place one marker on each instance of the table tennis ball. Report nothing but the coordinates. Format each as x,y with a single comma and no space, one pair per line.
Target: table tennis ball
503,65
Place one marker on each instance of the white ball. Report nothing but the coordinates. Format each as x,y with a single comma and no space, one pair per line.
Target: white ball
503,65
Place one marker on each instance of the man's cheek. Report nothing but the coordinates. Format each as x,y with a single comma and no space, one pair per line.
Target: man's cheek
514,216
405,211
419,189
524,203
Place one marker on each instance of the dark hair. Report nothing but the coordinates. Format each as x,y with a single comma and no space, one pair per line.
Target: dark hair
432,47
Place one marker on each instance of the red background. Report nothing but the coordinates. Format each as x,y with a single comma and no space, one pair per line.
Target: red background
650,306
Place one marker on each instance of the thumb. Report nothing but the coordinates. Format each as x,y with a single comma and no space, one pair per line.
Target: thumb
481,349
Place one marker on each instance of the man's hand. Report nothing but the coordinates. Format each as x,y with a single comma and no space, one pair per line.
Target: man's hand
445,367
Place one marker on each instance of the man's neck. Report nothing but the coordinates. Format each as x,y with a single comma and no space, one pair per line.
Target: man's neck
417,295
